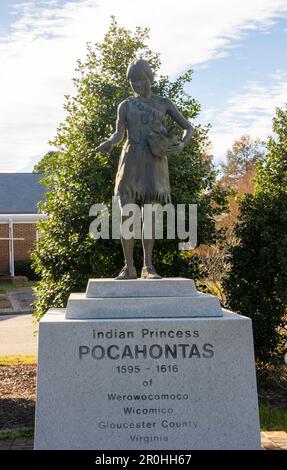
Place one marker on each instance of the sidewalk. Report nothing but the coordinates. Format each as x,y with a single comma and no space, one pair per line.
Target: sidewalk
17,300
17,334
21,299
273,440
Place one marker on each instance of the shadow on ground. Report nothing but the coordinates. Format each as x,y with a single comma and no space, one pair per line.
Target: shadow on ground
16,412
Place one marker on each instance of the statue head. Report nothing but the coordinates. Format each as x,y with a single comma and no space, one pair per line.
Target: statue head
140,75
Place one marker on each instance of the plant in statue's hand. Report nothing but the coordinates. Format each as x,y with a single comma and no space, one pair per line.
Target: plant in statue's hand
175,148
175,145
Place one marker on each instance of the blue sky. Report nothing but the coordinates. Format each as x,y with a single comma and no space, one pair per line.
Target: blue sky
252,58
237,50
257,60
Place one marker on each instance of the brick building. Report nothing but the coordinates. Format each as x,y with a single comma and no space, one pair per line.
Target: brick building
19,197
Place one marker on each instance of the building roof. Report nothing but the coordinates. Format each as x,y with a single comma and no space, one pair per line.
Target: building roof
20,193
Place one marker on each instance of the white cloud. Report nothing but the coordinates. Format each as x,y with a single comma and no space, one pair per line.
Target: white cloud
39,54
248,112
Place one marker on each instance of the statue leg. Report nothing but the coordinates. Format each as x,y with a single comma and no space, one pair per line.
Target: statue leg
128,248
148,271
128,271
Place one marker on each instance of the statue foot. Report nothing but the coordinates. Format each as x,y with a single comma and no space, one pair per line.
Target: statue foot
148,272
127,273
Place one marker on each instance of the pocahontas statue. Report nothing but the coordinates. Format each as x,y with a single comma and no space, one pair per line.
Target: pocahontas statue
142,176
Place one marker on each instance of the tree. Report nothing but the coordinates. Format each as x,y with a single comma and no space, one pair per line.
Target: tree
256,285
78,177
243,156
47,164
239,177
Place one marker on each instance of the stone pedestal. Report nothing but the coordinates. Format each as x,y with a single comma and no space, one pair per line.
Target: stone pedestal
142,298
148,381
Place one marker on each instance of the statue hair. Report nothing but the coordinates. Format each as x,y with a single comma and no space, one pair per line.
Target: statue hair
140,67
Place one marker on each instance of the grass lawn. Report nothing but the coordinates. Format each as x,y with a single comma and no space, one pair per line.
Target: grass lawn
17,360
273,419
22,434
5,286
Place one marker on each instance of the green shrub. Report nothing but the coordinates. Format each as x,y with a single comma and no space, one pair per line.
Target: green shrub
256,285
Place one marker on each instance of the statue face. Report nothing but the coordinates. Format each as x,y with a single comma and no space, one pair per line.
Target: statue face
140,85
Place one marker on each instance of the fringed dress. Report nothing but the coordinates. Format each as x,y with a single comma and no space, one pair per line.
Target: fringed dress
143,177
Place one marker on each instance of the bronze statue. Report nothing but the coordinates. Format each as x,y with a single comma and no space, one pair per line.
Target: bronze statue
142,175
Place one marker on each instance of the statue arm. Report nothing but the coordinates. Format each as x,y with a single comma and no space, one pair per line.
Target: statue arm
119,134
173,111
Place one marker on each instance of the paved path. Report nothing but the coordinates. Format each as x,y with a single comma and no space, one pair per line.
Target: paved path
21,299
16,335
275,440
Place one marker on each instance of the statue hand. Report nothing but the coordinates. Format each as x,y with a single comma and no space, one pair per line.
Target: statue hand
105,147
176,148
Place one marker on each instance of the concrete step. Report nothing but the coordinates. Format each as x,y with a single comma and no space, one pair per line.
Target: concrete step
199,305
165,287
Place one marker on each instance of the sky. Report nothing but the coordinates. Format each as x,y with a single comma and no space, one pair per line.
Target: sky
237,49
